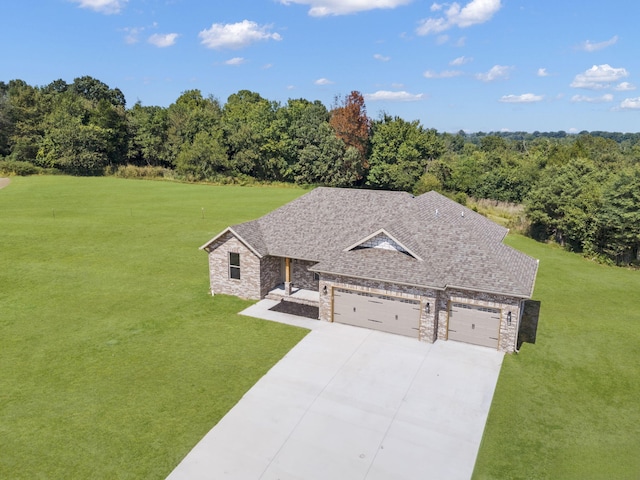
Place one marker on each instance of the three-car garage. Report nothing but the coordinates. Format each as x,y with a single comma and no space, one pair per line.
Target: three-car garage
466,322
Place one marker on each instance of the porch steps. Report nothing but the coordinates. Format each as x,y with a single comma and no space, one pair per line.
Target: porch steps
292,299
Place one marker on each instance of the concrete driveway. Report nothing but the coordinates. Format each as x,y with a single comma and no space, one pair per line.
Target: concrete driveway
350,403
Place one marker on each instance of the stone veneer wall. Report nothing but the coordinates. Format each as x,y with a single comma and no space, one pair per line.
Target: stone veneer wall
249,284
301,277
508,334
270,274
428,327
258,276
433,325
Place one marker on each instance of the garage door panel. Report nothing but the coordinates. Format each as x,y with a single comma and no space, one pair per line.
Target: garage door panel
475,339
474,324
377,313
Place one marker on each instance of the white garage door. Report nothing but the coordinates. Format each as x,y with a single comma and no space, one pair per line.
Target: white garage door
389,314
474,324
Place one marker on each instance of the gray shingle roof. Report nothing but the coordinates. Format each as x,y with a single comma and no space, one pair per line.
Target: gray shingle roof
458,247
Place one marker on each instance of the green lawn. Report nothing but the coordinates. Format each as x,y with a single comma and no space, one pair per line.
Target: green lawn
568,407
114,360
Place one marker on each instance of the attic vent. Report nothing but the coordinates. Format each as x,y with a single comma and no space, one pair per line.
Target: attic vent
384,242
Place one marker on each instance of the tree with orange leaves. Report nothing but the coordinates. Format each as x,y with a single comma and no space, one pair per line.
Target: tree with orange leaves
351,124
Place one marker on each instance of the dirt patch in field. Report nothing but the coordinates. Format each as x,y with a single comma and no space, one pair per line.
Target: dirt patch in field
4,182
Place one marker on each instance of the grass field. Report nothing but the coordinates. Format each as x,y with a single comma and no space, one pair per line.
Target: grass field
568,407
114,360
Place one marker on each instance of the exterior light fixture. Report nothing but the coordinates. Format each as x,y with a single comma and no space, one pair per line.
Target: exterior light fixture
324,290
509,318
428,307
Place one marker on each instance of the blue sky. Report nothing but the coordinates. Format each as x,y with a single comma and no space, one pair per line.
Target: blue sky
475,65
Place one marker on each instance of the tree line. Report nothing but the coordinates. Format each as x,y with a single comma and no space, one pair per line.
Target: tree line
581,190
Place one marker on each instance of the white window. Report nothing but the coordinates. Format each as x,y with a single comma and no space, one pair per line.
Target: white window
234,265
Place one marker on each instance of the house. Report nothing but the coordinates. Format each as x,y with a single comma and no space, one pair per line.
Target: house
423,266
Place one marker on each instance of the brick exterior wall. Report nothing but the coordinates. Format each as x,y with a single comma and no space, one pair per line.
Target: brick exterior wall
508,333
270,274
424,295
433,325
259,275
301,277
249,284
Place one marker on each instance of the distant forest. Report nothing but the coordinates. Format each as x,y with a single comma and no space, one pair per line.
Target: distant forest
580,190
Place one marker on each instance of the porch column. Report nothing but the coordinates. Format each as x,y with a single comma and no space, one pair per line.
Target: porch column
287,276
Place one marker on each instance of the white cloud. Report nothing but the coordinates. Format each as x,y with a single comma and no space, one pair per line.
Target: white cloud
385,95
460,61
321,8
630,104
163,40
473,13
589,46
443,74
624,87
599,77
108,7
323,81
542,72
524,98
583,98
436,7
132,34
497,72
461,42
235,61
236,35
382,58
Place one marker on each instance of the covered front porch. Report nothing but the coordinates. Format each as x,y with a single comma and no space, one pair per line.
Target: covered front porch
293,282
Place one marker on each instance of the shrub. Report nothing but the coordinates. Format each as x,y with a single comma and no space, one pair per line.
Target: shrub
17,167
132,171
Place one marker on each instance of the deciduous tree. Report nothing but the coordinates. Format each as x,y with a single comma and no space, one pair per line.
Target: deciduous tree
565,203
246,120
400,153
618,219
352,125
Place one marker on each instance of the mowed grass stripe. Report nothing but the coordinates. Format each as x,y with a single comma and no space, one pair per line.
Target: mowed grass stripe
115,360
567,407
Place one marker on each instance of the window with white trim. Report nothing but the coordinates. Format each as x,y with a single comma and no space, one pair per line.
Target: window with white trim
234,265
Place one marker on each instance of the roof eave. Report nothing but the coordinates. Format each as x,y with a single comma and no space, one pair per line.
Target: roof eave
362,277
535,274
235,234
491,292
